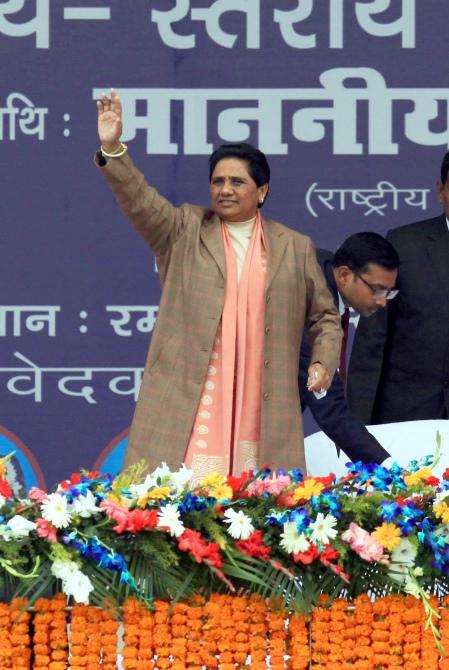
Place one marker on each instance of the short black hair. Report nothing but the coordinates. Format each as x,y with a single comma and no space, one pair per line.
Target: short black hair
255,159
361,249
445,167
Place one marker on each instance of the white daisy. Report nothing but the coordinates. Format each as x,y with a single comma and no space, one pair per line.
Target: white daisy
240,525
293,541
323,528
55,510
169,518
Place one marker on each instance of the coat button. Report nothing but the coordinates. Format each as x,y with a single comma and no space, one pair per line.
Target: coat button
268,298
267,330
267,363
266,396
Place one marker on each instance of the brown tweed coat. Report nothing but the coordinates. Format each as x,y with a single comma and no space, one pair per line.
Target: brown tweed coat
188,245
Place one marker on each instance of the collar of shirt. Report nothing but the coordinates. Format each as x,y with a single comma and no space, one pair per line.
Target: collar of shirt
447,222
341,305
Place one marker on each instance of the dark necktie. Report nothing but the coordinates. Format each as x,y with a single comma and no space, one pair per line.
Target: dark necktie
345,327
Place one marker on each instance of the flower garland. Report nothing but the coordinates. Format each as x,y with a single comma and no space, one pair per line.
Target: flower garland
20,635
50,635
224,632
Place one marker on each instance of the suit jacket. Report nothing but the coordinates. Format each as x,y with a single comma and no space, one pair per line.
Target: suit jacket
331,412
188,245
399,369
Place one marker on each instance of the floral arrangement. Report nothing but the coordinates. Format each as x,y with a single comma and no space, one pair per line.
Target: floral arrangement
274,533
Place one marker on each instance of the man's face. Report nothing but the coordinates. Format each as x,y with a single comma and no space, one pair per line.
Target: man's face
443,195
363,291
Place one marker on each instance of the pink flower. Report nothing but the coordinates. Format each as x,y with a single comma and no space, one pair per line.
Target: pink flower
114,511
37,495
364,545
273,485
46,529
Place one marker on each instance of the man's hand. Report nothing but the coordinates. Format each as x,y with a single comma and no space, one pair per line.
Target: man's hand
319,379
110,121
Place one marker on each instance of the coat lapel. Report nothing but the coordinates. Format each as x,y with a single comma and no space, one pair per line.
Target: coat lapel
212,239
276,242
437,248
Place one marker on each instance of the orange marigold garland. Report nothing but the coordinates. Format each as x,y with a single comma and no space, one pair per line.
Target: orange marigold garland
78,637
429,650
211,631
226,640
412,617
241,623
380,634
320,638
162,634
109,641
258,633
138,650
5,637
444,631
194,626
299,642
59,643
179,631
20,635
277,638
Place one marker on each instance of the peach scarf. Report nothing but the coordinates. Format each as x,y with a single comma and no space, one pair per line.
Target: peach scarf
226,432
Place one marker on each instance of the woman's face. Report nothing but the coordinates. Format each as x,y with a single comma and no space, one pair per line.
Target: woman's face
233,192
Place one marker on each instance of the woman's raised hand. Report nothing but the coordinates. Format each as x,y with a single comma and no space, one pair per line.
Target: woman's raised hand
109,121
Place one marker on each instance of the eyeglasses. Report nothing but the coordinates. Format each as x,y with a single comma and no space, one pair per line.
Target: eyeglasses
378,291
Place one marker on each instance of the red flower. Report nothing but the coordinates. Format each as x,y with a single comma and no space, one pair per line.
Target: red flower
238,483
446,474
327,480
5,489
328,554
192,541
308,556
74,479
254,546
139,519
432,481
213,555
285,500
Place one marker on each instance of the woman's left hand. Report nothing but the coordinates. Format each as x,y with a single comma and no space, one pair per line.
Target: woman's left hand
319,379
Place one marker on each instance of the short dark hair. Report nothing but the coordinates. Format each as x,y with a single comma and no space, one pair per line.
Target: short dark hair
361,249
255,159
445,167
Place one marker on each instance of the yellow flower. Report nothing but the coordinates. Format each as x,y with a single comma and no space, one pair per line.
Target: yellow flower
310,487
442,511
213,480
388,535
159,493
222,492
418,476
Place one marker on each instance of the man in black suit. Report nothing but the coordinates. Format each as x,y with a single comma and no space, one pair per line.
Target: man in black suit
399,367
361,275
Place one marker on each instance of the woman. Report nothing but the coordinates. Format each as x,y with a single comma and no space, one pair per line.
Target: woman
220,386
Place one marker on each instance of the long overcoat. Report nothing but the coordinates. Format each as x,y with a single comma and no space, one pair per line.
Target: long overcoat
187,242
